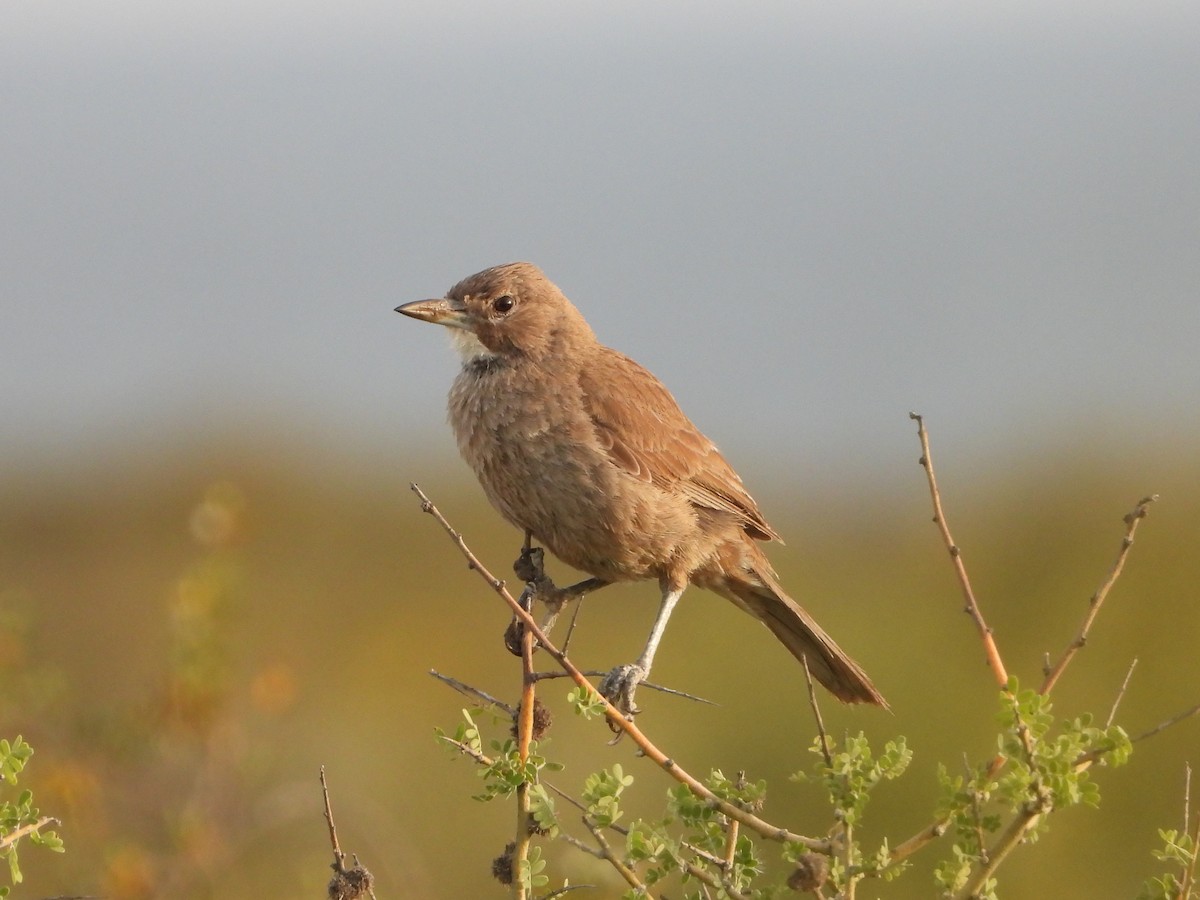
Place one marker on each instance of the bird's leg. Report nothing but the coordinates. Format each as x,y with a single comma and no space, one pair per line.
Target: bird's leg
539,586
619,685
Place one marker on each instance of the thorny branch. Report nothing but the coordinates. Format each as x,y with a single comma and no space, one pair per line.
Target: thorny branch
1010,837
612,714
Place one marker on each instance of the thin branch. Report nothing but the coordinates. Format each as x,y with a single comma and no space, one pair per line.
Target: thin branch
1020,826
977,812
1112,713
1091,756
574,620
812,701
347,883
661,688
918,841
606,851
1040,804
484,760
614,715
13,836
1189,874
1097,600
936,829
1164,725
467,750
468,690
566,889
711,858
339,858
991,651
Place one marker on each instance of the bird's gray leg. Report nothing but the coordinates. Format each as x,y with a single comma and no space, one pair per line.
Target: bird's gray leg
556,598
619,685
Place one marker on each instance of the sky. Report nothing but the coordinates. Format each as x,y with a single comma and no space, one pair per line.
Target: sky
807,219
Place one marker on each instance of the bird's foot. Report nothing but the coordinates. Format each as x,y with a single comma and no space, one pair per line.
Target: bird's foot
529,566
538,586
619,686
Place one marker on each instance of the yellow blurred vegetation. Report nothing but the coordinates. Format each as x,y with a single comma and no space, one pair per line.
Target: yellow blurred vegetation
186,639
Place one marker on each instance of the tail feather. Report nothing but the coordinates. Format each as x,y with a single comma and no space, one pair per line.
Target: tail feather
806,640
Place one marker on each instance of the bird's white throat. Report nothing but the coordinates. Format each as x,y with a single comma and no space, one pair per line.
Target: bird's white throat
468,346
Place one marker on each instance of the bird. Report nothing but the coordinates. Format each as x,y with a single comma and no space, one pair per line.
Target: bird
590,454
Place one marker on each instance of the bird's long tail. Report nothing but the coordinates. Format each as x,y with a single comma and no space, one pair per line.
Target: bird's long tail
760,594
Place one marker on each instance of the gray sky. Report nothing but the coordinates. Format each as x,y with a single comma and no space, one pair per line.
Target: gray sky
806,219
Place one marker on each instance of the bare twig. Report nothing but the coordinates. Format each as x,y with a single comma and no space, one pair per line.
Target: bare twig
339,858
1131,523
1112,713
574,620
468,690
812,701
661,688
991,651
1164,725
614,715
347,883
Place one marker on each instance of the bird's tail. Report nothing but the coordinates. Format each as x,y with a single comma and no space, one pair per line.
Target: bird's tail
761,595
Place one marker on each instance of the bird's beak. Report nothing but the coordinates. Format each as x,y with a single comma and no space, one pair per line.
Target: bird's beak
442,311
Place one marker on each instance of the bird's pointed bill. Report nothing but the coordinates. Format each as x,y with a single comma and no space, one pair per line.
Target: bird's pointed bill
441,312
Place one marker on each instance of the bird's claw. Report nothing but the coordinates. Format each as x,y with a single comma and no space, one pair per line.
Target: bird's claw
514,634
529,566
619,686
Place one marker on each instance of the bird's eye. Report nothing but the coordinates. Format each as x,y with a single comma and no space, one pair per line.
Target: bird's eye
503,304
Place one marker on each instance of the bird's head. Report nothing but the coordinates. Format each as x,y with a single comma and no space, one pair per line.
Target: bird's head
506,311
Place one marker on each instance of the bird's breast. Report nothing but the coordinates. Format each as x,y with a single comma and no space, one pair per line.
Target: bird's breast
534,448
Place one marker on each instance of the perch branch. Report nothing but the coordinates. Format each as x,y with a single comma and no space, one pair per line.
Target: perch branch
612,714
524,739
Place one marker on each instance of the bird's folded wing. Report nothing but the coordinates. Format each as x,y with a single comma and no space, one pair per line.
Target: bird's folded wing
646,433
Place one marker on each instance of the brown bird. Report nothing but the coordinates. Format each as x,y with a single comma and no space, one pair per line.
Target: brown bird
587,451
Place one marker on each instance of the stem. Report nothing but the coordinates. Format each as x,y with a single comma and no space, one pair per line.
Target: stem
991,651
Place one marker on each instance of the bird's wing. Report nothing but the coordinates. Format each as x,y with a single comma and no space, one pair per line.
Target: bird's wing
646,433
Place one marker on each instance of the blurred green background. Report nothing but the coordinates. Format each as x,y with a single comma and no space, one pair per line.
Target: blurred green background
187,638
807,219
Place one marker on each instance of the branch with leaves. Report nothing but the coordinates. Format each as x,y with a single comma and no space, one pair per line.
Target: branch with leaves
711,830
19,819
